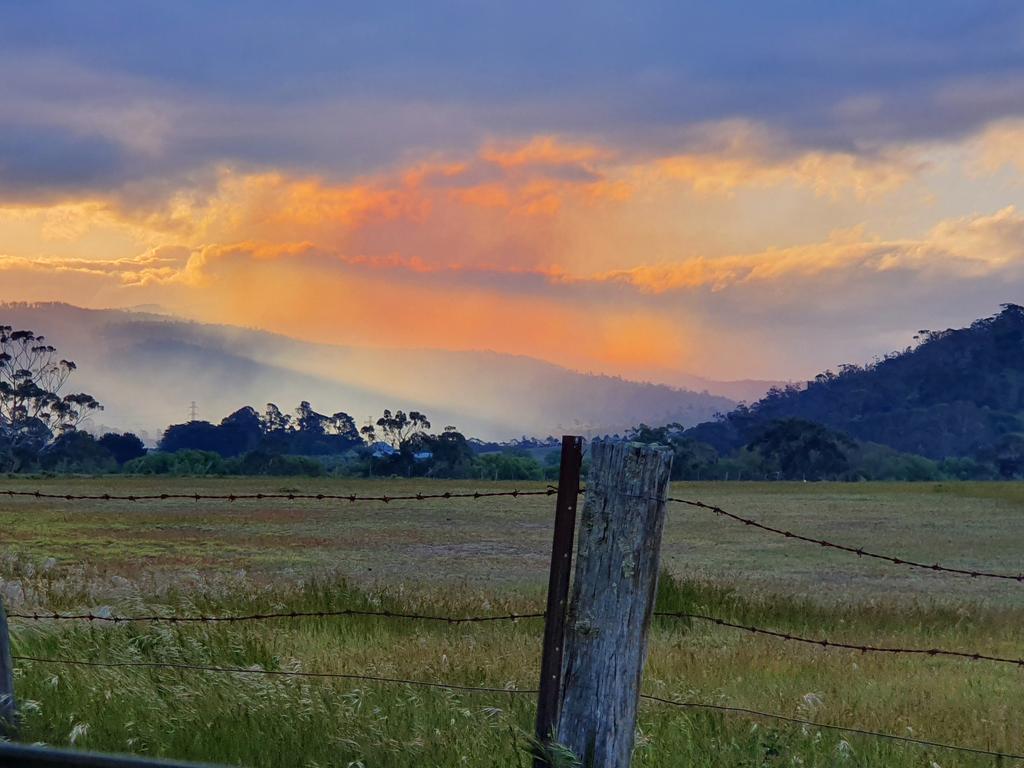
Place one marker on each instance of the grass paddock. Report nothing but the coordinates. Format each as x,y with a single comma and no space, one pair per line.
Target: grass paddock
489,556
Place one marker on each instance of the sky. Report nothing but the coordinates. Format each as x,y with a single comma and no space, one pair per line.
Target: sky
735,190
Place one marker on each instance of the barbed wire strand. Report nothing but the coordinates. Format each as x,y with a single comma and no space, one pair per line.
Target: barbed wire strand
549,491
970,655
513,617
828,726
513,691
204,619
859,551
350,497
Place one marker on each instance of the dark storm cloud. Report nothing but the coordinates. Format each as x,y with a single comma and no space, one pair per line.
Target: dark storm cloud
343,87
47,157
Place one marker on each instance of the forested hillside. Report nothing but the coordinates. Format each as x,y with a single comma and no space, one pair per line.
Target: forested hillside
959,392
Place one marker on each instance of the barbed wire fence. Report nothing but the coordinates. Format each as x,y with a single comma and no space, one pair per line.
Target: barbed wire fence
483,619
551,692
351,498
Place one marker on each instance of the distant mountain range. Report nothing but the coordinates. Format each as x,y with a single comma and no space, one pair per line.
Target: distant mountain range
959,392
147,368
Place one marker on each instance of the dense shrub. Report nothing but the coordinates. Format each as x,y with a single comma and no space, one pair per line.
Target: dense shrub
967,469
211,463
264,463
508,466
179,463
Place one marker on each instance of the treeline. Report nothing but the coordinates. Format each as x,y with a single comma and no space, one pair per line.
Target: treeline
400,444
305,433
950,408
397,443
75,451
797,449
41,431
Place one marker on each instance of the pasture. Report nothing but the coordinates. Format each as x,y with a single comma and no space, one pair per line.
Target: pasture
489,556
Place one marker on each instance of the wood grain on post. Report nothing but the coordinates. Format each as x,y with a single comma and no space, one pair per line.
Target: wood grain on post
617,559
8,712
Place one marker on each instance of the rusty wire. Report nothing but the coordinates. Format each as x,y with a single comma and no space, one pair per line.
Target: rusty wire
859,551
352,497
481,619
515,493
823,643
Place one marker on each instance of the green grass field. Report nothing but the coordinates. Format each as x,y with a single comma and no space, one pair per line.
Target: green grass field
490,556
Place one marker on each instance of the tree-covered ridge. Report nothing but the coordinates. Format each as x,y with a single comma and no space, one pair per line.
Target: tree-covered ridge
951,407
958,392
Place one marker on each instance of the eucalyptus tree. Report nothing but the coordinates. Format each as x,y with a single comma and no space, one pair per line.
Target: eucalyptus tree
34,408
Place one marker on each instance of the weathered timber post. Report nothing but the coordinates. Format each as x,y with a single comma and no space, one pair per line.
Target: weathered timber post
8,711
549,697
613,593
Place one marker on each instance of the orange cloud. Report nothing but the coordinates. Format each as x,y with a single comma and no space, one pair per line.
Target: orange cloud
967,246
541,204
155,266
535,248
484,196
544,151
828,174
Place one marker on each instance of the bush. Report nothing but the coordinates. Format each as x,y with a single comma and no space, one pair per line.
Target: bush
180,463
967,469
507,466
265,463
211,463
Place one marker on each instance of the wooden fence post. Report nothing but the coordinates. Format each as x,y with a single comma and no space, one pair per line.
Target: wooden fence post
8,710
549,697
613,595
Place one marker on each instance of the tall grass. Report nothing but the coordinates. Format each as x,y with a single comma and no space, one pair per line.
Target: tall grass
259,720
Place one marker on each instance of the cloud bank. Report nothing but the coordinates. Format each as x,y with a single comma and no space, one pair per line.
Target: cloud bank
635,190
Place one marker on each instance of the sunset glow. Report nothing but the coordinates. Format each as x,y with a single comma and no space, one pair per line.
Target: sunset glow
729,245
